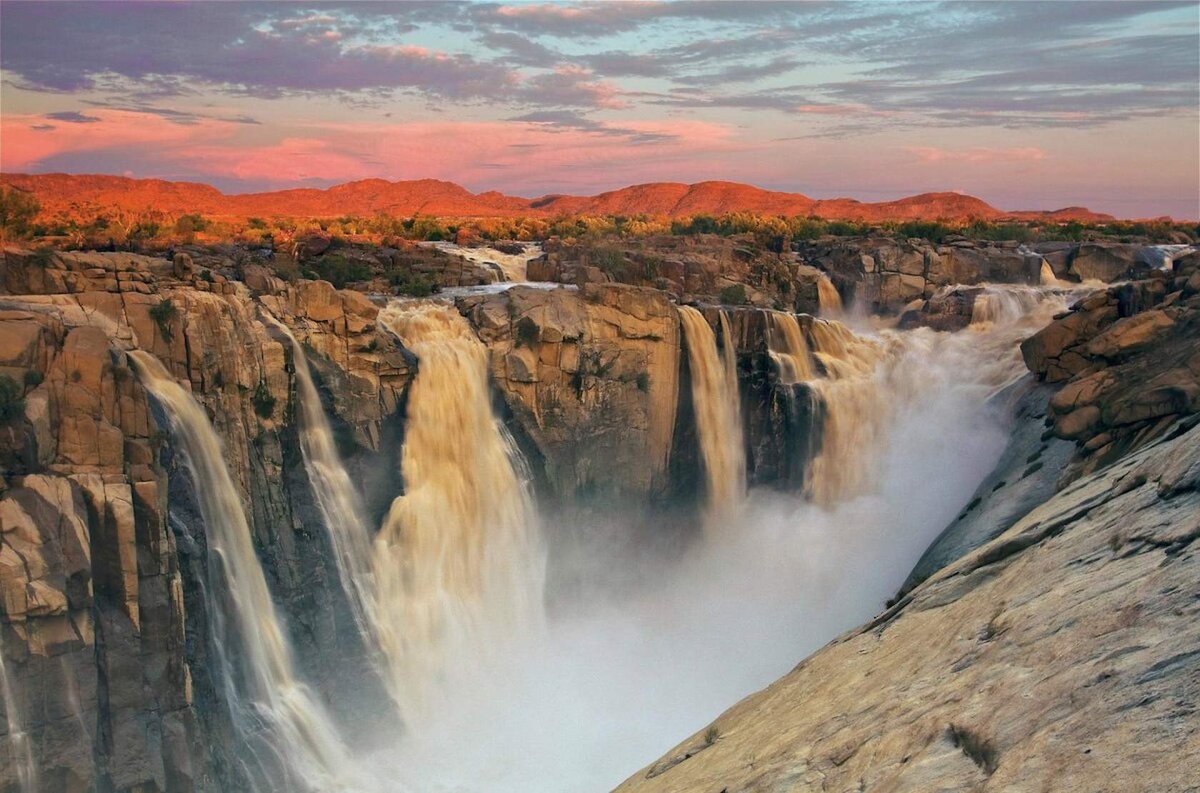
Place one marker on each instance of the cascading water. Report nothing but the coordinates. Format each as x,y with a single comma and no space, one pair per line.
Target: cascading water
829,301
458,563
788,349
718,416
289,741
1005,304
20,749
336,495
867,378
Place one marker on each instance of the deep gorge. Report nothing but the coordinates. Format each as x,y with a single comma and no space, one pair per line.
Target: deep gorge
274,536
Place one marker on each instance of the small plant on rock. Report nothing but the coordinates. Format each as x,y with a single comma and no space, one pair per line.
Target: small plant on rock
12,404
264,400
164,313
711,735
734,295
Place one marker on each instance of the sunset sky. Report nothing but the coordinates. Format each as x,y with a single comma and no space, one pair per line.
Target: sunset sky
1027,105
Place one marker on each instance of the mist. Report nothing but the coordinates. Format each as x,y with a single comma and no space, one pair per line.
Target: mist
616,678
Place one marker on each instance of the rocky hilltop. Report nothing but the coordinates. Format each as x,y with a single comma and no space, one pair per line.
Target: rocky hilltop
69,192
1061,646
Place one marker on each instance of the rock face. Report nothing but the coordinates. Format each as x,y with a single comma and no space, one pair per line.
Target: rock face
1129,361
591,377
1065,655
701,267
103,627
884,274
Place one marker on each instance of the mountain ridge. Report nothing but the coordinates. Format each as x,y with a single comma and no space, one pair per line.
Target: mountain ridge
59,192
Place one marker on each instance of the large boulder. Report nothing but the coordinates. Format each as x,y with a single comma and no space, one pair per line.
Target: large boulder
1107,261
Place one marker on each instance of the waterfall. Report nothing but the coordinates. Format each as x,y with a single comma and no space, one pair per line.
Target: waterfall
867,379
20,748
788,349
718,416
274,713
458,563
336,495
1046,275
829,301
1005,304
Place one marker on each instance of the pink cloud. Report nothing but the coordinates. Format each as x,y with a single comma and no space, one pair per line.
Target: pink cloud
29,139
977,154
507,154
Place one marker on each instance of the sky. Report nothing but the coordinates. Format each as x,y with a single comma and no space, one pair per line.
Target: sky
1028,105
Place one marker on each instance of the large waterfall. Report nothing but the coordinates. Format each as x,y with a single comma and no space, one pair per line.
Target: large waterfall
718,419
289,739
458,562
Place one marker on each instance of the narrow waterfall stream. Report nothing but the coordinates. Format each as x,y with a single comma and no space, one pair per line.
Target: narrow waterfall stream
718,419
18,745
829,300
290,743
336,495
788,349
458,563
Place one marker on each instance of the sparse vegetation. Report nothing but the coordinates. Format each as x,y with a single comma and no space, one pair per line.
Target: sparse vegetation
711,735
17,212
12,401
734,295
526,332
340,271
33,378
263,400
164,313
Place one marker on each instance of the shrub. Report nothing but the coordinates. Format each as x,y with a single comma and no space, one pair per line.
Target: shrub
264,400
190,224
33,378
12,404
163,313
339,271
711,735
734,295
609,260
406,282
17,211
526,332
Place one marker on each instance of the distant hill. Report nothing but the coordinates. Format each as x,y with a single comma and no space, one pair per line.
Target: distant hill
87,194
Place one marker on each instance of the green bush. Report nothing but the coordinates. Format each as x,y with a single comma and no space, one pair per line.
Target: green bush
527,332
339,271
406,282
33,378
734,295
17,211
609,260
264,400
163,313
12,403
